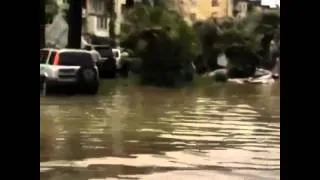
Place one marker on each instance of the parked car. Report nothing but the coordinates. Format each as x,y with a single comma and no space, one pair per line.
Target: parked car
107,62
110,61
69,68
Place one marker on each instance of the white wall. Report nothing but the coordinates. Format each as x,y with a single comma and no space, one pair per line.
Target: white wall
92,27
92,20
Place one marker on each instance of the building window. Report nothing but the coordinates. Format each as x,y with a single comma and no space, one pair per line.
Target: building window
193,2
102,22
214,3
98,6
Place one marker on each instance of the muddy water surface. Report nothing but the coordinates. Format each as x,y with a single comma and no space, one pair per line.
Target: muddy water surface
131,132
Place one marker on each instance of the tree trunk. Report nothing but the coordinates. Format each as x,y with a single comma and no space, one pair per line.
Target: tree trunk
75,24
42,14
112,15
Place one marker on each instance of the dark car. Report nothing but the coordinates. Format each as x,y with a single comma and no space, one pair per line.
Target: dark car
107,62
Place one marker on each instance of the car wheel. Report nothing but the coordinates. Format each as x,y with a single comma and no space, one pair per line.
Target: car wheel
124,71
87,79
108,69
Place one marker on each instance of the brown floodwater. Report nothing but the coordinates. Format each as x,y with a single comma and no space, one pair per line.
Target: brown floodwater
223,131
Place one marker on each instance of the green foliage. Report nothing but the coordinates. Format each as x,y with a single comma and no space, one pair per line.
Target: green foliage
219,35
167,45
164,42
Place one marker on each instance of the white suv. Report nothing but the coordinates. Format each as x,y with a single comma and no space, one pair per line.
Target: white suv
69,67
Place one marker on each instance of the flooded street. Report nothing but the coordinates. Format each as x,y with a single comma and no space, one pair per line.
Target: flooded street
220,132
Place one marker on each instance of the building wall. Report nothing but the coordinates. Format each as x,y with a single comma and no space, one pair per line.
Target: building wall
203,9
97,19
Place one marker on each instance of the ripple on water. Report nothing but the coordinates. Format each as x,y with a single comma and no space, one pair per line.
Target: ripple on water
197,137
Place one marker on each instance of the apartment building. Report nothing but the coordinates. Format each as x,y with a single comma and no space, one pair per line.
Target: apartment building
97,19
194,10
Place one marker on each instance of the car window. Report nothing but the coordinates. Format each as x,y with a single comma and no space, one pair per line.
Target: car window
52,56
104,51
43,56
75,59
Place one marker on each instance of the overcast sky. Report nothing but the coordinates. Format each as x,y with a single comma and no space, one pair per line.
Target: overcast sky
271,3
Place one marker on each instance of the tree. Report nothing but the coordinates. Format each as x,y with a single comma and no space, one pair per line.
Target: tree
112,15
42,23
241,39
51,9
75,23
164,42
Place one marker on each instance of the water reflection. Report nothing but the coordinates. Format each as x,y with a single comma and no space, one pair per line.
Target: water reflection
134,131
